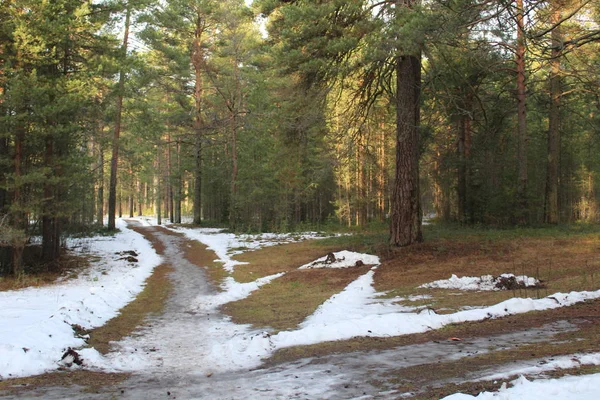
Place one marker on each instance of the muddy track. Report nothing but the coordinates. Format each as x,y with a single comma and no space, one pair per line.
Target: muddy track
176,343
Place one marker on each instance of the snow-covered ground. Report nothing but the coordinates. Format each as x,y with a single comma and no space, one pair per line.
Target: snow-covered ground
485,282
584,387
35,324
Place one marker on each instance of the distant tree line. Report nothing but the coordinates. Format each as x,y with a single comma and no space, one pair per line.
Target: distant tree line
346,112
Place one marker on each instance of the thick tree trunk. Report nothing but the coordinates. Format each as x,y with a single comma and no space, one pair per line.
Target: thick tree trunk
552,212
406,207
114,162
522,203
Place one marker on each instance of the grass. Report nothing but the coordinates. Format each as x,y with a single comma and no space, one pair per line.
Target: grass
281,258
93,382
287,301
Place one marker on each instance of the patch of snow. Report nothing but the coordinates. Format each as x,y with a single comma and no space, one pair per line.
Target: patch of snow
545,365
232,291
583,387
227,245
36,323
485,282
357,311
343,259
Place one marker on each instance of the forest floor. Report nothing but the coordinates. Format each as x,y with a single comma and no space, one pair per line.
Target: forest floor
469,357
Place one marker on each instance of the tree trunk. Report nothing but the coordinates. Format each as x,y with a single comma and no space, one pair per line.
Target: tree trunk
140,196
179,186
158,195
169,179
100,193
552,212
522,204
406,207
114,162
198,63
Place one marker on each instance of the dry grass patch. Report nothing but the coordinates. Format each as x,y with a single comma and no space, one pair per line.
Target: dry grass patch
284,257
563,264
92,382
287,301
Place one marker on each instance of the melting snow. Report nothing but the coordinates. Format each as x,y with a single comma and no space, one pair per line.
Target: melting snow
343,259
485,282
570,387
36,323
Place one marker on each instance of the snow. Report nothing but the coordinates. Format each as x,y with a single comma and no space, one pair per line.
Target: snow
227,245
485,282
232,291
35,323
545,365
343,259
567,388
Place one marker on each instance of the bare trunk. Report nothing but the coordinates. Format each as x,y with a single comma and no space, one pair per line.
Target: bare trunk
179,185
405,227
140,195
522,203
406,206
158,195
198,63
552,212
114,162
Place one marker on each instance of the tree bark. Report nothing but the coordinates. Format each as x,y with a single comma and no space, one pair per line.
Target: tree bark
522,203
100,193
158,195
406,207
114,162
552,212
179,186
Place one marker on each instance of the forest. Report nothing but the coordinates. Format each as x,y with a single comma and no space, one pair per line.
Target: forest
281,115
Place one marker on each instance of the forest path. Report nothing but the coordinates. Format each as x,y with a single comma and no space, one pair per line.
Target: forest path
177,344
